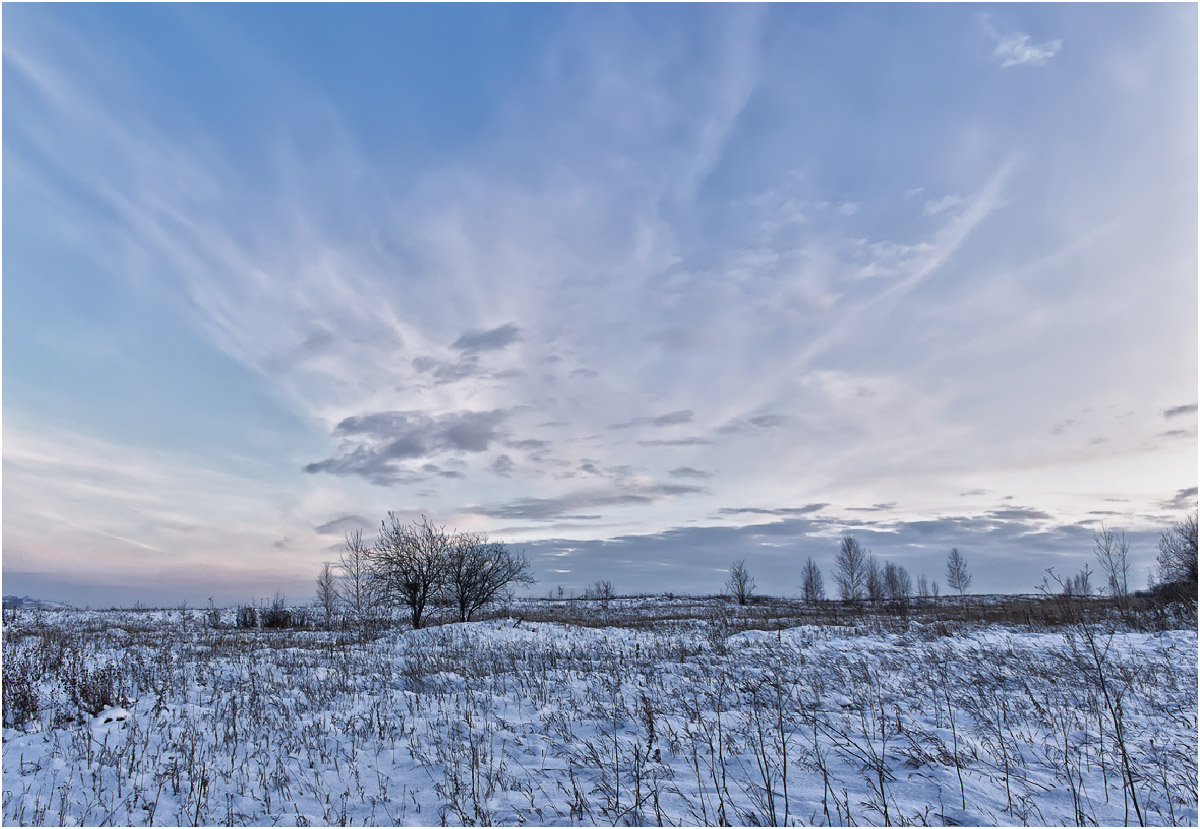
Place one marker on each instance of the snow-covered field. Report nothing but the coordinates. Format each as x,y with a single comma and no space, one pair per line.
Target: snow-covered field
155,718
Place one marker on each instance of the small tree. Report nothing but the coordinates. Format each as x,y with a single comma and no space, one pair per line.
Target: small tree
1080,584
358,588
1177,556
812,586
875,587
1112,551
409,562
850,570
739,584
957,574
922,586
600,589
477,570
327,593
897,583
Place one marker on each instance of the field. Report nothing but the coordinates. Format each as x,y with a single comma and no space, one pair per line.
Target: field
654,711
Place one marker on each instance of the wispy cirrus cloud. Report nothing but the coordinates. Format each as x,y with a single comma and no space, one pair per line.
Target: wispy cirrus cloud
1018,48
648,258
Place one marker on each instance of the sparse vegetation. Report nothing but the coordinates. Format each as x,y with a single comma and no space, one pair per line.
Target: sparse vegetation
681,711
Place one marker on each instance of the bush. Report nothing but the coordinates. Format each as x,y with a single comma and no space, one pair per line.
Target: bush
277,616
247,616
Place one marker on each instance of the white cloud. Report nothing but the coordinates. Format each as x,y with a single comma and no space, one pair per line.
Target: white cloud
932,208
1018,48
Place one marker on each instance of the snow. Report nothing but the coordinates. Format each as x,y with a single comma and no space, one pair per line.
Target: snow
512,722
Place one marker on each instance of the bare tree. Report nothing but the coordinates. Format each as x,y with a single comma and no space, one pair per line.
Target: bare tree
739,584
875,588
1112,551
601,589
922,586
327,593
850,569
1177,555
1081,583
812,586
957,574
358,587
897,583
1077,586
478,569
409,562
933,589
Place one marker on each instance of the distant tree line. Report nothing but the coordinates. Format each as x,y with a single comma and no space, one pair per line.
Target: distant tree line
859,577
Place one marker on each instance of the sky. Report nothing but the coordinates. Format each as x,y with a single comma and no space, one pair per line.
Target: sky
637,290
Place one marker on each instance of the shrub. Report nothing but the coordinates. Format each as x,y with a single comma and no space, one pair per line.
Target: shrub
277,616
247,616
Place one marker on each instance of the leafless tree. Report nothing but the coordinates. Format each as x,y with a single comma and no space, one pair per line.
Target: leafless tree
601,589
933,589
1080,584
875,587
957,575
813,583
409,562
897,583
923,586
1112,551
739,584
1177,554
1077,586
358,587
327,593
850,569
478,569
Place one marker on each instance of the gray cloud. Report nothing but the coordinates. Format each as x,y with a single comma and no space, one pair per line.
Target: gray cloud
757,423
530,444
692,441
503,466
1010,513
567,506
376,444
445,372
1176,411
668,419
688,472
434,469
1184,499
343,524
474,340
784,511
1062,426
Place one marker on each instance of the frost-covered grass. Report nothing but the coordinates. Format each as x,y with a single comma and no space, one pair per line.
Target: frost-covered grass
125,718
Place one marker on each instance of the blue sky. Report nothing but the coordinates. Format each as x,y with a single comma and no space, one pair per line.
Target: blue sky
638,289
